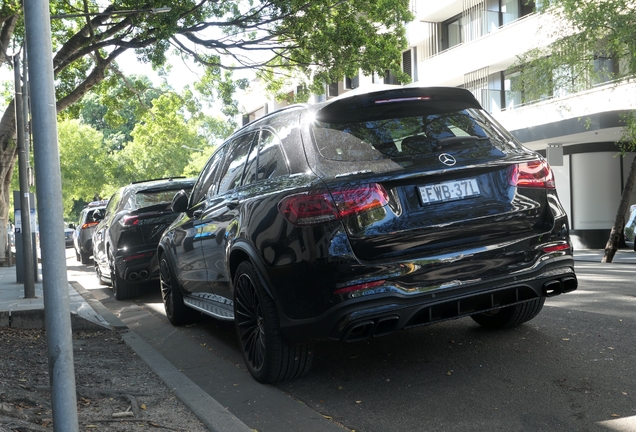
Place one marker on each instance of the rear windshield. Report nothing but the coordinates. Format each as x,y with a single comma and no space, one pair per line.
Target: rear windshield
408,136
150,198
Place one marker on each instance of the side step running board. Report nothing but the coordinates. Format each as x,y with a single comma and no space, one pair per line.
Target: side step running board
209,308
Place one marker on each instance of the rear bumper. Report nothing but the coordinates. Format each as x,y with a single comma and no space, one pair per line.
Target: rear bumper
138,265
381,314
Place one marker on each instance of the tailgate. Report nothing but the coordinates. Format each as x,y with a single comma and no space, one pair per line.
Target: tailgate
467,209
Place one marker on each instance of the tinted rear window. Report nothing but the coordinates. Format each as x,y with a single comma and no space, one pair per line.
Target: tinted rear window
411,132
149,198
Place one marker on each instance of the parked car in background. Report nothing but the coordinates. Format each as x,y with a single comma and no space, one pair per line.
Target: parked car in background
68,235
125,241
360,216
83,233
630,228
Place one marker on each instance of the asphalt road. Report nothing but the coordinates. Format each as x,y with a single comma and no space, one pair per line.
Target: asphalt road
572,368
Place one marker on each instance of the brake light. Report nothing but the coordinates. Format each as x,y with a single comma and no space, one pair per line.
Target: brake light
319,207
89,224
535,174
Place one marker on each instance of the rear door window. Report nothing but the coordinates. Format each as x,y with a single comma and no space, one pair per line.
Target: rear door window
205,182
231,173
268,162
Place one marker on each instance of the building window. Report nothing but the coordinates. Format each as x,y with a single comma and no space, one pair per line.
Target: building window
352,82
605,69
512,10
452,32
409,63
512,98
389,78
332,89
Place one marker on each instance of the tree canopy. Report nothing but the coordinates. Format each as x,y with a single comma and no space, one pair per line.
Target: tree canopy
594,42
315,42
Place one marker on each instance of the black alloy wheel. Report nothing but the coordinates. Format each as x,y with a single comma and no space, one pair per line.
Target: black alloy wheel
267,355
176,310
511,316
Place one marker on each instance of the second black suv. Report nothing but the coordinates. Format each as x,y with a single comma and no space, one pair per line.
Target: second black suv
125,241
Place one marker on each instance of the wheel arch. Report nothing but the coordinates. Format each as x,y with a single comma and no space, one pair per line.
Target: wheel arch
242,251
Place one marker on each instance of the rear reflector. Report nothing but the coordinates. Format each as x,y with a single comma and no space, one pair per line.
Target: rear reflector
319,207
556,248
535,174
138,256
359,287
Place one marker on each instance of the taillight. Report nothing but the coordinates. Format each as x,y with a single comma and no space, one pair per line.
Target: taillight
556,248
89,224
535,174
319,207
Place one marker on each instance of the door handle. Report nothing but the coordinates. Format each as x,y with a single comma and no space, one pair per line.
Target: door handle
232,204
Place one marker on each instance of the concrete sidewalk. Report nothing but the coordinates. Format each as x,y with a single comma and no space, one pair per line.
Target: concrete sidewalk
17,311
87,313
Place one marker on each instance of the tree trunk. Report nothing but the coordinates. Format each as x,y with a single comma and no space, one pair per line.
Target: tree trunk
619,221
8,154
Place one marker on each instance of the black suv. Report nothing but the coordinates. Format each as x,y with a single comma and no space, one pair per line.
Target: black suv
360,216
83,233
125,241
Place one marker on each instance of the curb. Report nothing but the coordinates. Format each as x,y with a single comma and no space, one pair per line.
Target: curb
211,413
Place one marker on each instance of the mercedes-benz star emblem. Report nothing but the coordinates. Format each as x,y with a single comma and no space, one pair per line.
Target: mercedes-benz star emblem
447,159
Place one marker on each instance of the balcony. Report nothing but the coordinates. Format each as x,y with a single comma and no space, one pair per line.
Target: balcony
496,50
585,117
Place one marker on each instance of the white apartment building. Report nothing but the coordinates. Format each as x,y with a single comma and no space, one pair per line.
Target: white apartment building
472,44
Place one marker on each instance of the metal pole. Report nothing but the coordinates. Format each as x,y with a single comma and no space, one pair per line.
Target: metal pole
27,144
49,203
25,209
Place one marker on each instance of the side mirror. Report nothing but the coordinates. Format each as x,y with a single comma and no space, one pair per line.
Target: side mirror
71,226
179,202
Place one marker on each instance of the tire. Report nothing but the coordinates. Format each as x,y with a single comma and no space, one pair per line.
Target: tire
511,316
176,310
122,289
84,258
78,257
267,355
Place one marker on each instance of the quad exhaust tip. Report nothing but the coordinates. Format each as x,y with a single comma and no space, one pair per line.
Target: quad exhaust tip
375,327
559,286
132,276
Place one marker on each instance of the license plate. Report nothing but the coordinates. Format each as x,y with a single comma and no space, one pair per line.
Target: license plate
449,191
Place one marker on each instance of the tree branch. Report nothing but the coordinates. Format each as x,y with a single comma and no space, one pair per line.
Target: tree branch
8,26
95,77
